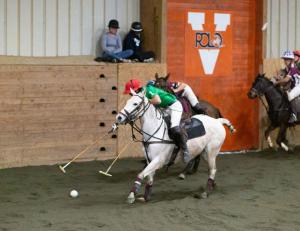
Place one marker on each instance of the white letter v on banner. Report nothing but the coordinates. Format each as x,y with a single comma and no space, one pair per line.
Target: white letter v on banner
209,58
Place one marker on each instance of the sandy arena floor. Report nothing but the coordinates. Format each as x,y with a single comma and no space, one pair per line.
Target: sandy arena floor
255,191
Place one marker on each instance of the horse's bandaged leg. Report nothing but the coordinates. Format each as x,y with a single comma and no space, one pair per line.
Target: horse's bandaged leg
136,186
270,143
295,92
148,191
284,146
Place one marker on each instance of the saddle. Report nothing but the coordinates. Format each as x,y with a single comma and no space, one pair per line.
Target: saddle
193,127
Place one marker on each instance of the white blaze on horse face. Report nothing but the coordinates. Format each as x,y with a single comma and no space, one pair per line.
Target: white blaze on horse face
132,91
131,104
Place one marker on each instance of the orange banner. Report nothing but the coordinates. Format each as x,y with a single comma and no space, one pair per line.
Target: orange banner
208,43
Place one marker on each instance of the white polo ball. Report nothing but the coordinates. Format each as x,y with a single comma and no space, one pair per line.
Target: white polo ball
74,193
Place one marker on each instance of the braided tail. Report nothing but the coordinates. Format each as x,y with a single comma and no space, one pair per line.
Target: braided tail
227,123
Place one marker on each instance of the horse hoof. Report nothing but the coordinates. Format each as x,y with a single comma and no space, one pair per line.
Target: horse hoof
181,176
204,195
141,199
131,198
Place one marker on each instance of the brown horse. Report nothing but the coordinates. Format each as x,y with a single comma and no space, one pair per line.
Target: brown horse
208,108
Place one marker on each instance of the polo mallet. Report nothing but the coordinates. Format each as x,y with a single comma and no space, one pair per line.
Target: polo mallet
62,168
106,172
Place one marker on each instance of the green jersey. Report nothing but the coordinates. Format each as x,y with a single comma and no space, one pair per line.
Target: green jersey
167,98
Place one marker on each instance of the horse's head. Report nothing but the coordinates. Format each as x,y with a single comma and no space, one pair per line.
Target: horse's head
135,107
259,86
161,82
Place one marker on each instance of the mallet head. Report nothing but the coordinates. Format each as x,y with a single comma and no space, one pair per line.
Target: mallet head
105,173
62,169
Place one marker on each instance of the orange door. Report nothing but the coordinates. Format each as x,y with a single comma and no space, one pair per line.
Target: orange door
212,46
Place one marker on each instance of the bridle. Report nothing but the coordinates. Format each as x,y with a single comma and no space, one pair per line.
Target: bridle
260,95
134,115
137,113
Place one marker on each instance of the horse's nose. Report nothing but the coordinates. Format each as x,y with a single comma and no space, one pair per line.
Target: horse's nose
119,118
250,95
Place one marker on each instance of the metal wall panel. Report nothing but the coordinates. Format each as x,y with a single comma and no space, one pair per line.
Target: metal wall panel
283,31
60,27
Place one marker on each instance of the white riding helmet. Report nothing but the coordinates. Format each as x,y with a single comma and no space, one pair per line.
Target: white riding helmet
287,55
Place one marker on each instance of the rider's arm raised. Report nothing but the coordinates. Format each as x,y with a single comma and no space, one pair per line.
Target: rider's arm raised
286,79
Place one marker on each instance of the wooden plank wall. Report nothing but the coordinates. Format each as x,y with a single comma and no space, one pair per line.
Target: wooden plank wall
153,18
49,113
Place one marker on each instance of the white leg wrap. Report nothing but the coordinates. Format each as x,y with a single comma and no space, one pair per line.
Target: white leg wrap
284,146
295,92
190,95
270,142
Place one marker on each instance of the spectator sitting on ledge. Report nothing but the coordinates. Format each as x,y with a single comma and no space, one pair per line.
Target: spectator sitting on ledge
133,42
112,44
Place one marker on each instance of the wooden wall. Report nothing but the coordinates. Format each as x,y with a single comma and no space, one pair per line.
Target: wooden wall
153,18
227,92
50,112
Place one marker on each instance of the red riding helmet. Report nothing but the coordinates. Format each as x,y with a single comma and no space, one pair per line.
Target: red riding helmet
297,52
134,84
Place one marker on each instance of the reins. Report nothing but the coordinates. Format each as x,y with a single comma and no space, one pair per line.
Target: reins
261,99
134,127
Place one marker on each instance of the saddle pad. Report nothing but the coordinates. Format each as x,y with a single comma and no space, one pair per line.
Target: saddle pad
194,128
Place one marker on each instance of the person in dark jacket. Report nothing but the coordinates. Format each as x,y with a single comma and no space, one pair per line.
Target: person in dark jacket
133,42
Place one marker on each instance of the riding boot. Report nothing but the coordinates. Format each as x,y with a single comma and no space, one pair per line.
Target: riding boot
180,138
199,110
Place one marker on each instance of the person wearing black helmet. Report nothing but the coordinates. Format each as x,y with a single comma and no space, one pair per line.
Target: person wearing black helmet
133,42
112,44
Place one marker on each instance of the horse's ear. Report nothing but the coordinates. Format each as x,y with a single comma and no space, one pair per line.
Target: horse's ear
143,92
167,77
156,76
132,91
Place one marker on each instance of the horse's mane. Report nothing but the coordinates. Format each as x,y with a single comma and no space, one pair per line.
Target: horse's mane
276,87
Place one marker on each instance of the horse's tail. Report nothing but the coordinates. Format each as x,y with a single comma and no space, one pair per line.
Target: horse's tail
220,114
227,123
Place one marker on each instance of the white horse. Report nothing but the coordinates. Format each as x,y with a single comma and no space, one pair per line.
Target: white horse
158,147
